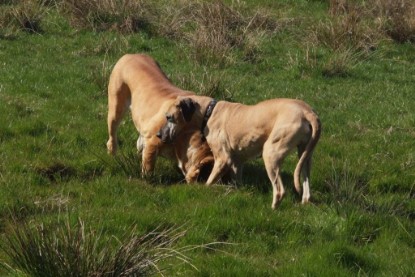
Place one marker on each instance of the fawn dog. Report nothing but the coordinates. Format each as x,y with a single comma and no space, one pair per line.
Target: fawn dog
237,132
138,82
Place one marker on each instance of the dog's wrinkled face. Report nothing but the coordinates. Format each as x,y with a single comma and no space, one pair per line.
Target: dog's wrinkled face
177,115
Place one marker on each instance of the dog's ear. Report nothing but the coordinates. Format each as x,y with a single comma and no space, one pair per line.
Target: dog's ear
188,108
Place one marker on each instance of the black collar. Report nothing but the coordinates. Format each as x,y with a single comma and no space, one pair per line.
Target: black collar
208,113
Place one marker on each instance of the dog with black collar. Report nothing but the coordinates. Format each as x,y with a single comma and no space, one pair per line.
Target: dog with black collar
237,132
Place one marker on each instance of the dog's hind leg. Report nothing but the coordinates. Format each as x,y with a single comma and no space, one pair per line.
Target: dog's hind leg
277,186
273,155
236,172
303,168
220,167
305,172
118,103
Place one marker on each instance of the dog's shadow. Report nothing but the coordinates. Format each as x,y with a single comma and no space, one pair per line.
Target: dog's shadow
255,176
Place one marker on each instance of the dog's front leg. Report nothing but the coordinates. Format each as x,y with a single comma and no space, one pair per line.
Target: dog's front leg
236,172
219,169
140,144
149,155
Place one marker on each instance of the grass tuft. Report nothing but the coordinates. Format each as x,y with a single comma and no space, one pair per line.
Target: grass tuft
397,18
219,30
98,15
345,188
28,15
75,250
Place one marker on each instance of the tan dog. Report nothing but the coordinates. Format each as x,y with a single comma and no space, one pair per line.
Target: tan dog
138,82
236,132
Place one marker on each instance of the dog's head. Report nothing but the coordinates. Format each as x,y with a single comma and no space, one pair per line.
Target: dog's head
177,116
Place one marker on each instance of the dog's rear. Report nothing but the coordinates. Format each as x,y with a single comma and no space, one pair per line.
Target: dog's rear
305,152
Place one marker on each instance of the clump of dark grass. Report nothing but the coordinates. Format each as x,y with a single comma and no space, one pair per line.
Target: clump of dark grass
64,249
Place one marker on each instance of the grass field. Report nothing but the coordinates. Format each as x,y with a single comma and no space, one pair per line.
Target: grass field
353,66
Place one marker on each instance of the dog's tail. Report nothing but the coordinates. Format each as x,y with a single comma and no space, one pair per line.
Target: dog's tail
315,123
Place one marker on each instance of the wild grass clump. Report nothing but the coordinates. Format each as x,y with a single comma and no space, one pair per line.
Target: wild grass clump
347,35
75,250
340,63
346,190
99,15
396,18
347,31
218,30
23,15
127,162
393,18
213,30
353,30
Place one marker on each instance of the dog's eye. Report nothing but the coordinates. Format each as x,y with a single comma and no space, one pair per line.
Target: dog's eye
170,118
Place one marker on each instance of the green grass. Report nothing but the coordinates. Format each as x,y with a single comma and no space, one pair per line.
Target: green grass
53,160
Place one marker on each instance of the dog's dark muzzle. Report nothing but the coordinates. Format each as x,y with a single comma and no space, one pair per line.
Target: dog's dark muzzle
164,134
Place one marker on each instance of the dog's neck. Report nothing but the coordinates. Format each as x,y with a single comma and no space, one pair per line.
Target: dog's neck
208,113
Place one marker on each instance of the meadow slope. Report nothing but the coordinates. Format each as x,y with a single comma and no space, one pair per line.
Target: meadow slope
353,65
